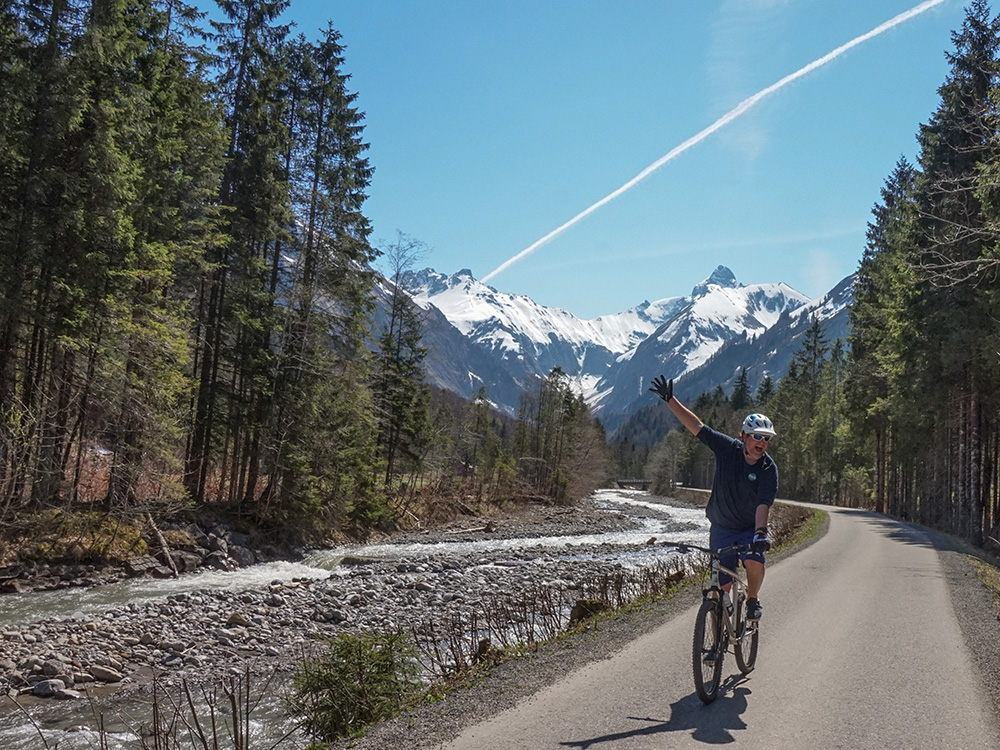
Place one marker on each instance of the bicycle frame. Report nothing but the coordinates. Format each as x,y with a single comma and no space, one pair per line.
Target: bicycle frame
733,615
737,626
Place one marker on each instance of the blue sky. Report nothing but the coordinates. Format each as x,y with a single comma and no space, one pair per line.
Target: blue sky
492,124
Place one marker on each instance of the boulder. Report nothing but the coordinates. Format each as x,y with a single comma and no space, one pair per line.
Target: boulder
218,560
141,565
185,561
53,667
218,544
47,688
105,674
243,556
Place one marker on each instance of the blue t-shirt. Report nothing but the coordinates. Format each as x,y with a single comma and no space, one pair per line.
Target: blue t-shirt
738,487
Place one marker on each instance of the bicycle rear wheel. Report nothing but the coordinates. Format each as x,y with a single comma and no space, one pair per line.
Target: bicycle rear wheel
708,651
745,647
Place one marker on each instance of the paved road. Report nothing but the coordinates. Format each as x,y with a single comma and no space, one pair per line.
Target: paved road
859,648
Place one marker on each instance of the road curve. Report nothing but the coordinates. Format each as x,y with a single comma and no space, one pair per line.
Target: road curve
860,648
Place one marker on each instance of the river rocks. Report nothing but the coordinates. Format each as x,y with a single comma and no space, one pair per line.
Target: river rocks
105,674
203,634
47,688
237,619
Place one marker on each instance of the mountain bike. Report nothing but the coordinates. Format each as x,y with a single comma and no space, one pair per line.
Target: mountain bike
721,621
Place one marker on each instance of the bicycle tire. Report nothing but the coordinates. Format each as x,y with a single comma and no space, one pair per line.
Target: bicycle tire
745,647
708,642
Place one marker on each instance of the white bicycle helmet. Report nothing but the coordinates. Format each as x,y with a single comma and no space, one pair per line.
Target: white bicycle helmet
758,424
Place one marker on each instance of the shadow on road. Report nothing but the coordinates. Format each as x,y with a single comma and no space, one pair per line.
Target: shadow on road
900,530
711,724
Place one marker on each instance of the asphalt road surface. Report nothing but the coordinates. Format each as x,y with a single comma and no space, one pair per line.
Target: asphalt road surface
859,648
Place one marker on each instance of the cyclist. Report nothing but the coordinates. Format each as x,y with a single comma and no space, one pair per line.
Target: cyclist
745,485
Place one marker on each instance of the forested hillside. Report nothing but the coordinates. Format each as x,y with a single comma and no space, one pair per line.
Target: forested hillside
904,417
185,289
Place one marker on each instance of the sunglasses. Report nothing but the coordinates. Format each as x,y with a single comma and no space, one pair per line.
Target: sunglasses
765,438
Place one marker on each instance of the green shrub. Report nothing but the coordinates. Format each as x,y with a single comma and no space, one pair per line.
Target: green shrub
359,681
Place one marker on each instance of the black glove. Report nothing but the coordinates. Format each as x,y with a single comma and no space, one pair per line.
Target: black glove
760,544
663,388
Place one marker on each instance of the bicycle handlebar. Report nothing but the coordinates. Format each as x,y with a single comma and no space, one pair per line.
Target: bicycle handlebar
684,547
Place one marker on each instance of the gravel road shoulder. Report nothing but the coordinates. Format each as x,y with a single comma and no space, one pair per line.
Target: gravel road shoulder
975,609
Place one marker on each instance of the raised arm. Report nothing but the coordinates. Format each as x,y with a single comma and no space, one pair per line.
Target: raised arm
665,389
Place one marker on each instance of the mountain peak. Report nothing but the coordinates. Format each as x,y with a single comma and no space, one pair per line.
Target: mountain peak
721,276
427,282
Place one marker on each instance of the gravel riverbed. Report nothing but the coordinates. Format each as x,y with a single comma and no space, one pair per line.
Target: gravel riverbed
446,573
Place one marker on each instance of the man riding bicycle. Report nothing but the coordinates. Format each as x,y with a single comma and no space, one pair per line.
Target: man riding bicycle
745,485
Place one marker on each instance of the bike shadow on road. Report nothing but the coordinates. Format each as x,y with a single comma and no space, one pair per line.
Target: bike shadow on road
711,724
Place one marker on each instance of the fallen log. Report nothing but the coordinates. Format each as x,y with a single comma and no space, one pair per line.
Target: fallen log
163,544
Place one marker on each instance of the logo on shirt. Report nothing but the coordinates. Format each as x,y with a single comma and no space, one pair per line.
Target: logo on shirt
752,477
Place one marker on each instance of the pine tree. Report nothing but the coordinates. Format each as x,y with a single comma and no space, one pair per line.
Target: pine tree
765,391
233,361
880,299
400,393
179,153
740,400
560,448
316,465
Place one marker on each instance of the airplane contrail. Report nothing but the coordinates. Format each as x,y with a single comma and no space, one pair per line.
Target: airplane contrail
727,118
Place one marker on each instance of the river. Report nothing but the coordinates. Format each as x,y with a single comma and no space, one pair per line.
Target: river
65,724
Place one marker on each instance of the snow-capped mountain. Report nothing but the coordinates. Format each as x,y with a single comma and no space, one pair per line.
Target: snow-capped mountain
526,339
477,336
769,353
719,310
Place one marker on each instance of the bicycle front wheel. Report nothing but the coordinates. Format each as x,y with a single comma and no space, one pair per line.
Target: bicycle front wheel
708,651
